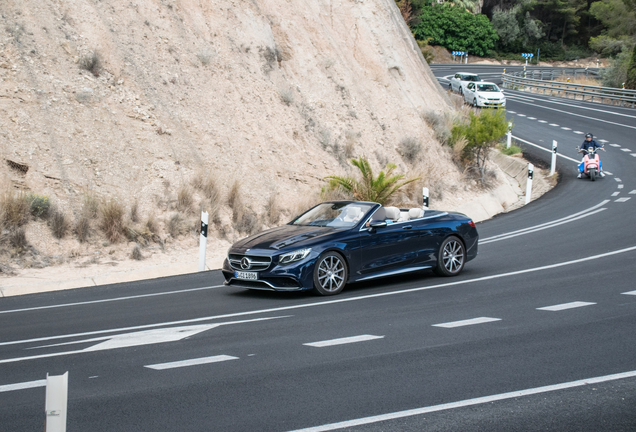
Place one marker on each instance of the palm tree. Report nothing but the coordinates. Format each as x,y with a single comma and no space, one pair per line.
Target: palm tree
368,188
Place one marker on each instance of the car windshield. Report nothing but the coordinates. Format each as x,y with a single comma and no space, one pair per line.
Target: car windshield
339,214
487,87
471,78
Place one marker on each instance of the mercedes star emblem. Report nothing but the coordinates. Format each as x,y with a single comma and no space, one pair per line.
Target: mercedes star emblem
246,263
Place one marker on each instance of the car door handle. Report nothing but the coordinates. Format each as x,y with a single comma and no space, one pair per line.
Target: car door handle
407,227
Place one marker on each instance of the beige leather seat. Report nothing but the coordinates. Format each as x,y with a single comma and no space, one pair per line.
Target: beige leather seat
392,213
415,213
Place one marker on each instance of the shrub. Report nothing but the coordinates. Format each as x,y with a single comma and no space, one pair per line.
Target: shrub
151,225
39,205
410,148
184,198
513,149
247,223
134,212
91,62
234,200
112,220
17,238
177,225
136,253
438,122
286,96
90,206
14,209
59,224
272,210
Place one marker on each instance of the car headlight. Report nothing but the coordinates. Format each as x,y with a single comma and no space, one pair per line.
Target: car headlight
294,256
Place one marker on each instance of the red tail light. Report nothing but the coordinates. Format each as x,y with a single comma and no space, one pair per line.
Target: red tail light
472,224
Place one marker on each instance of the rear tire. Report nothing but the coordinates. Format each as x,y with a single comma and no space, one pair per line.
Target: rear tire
461,90
451,257
592,173
330,274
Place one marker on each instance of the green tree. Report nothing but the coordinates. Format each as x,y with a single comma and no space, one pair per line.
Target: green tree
560,17
630,81
506,25
482,132
369,188
619,20
455,28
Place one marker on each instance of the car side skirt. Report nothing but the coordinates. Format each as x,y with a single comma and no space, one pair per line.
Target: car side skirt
393,272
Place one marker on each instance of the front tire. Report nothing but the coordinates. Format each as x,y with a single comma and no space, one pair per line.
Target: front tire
461,90
451,257
475,102
592,174
330,274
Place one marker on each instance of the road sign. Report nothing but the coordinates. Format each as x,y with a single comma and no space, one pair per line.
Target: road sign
527,55
460,53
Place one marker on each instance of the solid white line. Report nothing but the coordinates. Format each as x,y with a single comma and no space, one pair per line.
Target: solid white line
467,322
110,299
585,260
23,385
545,149
630,293
467,402
529,231
342,341
534,100
565,306
191,362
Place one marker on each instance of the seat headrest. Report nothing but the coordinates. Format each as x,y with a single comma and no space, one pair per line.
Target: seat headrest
392,213
415,213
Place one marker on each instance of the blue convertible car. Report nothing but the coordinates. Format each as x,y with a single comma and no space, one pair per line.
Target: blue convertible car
339,242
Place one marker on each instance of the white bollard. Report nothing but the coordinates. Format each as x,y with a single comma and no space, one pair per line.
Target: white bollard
203,240
425,198
56,402
509,135
554,157
529,183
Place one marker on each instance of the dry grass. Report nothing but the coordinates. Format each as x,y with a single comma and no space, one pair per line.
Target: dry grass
17,239
112,220
90,206
185,198
583,80
136,253
410,148
83,228
177,225
91,62
212,196
234,201
59,223
247,223
272,209
151,224
134,212
14,209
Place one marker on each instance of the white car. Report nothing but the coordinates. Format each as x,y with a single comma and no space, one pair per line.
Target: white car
461,79
484,94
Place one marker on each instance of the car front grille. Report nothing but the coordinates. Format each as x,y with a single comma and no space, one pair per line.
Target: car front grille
249,262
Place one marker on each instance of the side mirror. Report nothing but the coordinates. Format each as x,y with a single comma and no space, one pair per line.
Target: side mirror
377,224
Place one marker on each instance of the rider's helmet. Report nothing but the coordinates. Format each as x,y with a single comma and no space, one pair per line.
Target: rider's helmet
589,135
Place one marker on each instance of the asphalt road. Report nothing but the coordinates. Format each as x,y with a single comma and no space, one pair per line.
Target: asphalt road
538,333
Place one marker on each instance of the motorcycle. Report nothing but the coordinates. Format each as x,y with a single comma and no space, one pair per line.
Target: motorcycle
591,163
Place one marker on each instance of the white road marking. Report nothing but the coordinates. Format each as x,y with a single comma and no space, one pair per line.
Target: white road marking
342,341
111,299
626,150
585,260
633,154
191,362
521,115
608,173
615,145
126,340
624,199
545,149
603,141
579,132
22,385
621,186
630,293
617,179
532,118
542,121
633,192
467,322
553,124
533,101
512,112
616,194
565,128
466,403
565,306
546,225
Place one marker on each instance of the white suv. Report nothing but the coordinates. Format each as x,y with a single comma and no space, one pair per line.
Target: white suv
460,80
484,94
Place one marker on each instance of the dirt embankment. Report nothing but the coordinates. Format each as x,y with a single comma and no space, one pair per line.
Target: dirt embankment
133,100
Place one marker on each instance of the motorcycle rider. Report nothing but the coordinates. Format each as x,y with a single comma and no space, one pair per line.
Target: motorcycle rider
589,142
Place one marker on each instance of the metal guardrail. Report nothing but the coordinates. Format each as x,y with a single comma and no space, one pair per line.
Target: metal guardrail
615,96
552,73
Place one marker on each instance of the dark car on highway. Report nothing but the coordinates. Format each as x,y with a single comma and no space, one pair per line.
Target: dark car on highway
340,242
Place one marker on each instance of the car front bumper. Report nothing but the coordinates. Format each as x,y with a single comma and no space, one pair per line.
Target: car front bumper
292,277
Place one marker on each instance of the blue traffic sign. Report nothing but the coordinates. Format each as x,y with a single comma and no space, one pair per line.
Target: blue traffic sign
527,55
458,53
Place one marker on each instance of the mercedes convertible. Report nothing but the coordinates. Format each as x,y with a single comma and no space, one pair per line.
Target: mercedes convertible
341,242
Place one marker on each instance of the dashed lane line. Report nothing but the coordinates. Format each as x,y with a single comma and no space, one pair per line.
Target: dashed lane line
542,121
564,306
342,341
615,145
467,322
630,293
633,192
623,199
621,186
617,179
553,124
626,150
565,128
616,194
579,132
466,403
191,362
22,385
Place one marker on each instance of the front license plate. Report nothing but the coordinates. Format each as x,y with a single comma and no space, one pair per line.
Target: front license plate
246,275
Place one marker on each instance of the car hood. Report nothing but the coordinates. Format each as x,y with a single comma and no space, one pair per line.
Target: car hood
282,237
491,95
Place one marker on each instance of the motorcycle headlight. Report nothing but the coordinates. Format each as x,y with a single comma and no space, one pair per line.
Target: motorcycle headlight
294,256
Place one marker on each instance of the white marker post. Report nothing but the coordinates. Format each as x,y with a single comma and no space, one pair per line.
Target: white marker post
425,198
554,157
203,240
529,183
56,402
509,135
